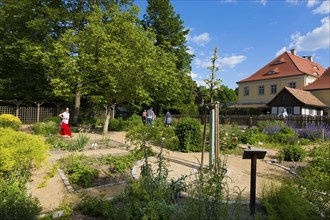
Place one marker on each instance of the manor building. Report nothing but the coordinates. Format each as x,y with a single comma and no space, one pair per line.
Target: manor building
286,70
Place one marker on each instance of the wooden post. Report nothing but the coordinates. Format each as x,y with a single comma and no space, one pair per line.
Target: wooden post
216,132
38,110
253,184
211,149
253,155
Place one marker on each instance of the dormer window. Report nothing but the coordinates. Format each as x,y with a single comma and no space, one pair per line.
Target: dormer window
315,73
277,62
315,68
270,73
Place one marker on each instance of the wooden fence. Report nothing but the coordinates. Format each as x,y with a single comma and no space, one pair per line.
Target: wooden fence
29,115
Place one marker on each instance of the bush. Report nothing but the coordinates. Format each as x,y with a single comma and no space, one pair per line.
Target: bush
315,179
46,128
278,132
285,202
317,174
80,170
15,202
170,140
189,134
115,124
97,207
119,124
18,151
248,137
314,132
292,153
10,121
229,136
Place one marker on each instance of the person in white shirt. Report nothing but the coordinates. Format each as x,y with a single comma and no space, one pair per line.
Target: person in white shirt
65,128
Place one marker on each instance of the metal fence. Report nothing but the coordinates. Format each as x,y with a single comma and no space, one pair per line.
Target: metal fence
29,115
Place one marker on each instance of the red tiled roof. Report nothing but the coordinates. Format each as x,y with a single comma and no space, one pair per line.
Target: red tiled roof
321,83
305,97
286,65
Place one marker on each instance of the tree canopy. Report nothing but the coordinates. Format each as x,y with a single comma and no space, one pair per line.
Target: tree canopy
98,50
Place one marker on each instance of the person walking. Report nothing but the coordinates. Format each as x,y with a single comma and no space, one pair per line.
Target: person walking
150,116
144,117
168,119
64,127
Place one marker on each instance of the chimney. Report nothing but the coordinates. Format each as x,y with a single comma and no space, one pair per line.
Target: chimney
293,51
310,58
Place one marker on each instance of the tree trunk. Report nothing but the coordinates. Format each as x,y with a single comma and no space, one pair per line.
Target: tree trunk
107,119
77,104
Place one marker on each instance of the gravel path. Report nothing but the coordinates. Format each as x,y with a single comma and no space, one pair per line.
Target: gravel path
55,193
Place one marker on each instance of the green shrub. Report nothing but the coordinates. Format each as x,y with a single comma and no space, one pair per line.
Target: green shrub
15,202
265,125
10,121
18,151
57,143
119,164
286,135
169,139
285,202
317,173
250,136
80,143
80,170
189,134
229,136
46,128
208,195
115,124
97,207
315,179
292,153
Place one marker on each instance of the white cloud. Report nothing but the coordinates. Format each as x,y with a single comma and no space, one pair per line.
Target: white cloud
190,50
281,51
232,61
202,63
201,39
229,61
319,38
263,2
324,8
193,75
293,2
311,3
228,1
201,83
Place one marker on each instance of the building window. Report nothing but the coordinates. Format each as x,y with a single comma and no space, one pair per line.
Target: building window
271,73
273,89
289,110
246,91
278,62
261,90
292,85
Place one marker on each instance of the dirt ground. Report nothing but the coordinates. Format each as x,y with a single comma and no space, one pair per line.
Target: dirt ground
54,193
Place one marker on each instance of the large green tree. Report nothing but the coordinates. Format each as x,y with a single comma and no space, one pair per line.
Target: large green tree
25,26
171,35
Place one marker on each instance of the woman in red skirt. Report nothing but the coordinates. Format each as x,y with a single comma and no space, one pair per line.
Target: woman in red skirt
65,128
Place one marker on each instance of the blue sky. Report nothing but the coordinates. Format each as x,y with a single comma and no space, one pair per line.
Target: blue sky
251,33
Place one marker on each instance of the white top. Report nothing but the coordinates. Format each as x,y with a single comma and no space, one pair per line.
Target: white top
66,117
